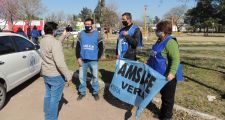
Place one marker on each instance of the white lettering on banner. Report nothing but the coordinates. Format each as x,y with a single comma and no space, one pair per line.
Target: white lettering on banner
88,47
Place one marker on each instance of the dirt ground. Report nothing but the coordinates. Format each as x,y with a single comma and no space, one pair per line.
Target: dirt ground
26,103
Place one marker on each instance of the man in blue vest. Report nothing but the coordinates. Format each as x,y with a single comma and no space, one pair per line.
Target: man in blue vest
89,49
130,37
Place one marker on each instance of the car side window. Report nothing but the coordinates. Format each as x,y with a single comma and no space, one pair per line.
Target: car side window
23,44
6,45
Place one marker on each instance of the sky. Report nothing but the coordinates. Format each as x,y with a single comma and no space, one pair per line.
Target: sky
135,7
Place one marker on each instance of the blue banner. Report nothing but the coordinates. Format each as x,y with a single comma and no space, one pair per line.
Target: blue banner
136,83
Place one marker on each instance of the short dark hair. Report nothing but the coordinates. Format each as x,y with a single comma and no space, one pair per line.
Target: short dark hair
49,27
89,19
164,26
128,15
35,27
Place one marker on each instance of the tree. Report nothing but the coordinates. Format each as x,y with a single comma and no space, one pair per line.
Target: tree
156,20
10,11
76,17
51,17
56,17
30,8
176,15
203,15
110,17
85,13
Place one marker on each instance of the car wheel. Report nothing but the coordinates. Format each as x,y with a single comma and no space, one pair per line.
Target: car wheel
2,95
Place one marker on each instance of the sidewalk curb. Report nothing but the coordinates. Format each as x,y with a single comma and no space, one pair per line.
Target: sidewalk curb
177,107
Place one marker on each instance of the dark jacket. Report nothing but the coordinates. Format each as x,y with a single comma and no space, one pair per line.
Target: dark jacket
132,43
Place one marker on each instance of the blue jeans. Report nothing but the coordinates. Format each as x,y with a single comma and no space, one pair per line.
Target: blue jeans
35,40
54,88
93,65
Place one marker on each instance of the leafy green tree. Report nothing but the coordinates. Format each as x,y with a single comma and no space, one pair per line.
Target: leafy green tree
201,15
156,20
85,13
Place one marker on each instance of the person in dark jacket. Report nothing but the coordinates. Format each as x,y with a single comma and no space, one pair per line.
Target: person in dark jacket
29,32
89,49
21,32
35,34
127,43
129,37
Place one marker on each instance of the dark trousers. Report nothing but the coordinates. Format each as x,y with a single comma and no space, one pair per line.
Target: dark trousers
168,94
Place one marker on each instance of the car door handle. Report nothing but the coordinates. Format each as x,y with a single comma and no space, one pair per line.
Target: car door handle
24,56
1,63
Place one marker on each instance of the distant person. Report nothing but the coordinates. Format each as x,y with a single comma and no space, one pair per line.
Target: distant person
40,32
69,28
35,34
54,70
129,36
89,49
165,58
21,32
29,32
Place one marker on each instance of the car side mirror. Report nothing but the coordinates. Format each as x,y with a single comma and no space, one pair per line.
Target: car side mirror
37,47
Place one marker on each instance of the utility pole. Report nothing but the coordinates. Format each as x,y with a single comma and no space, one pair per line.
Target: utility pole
102,5
145,22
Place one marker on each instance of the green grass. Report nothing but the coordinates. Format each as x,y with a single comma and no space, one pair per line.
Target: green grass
203,77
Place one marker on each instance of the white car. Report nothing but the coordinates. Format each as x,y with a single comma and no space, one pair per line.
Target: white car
74,33
20,60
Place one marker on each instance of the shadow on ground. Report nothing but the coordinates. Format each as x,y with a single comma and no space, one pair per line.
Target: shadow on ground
205,85
20,88
185,63
107,77
76,81
62,102
223,96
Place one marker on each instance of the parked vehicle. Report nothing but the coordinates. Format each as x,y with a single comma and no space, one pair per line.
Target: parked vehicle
74,33
20,60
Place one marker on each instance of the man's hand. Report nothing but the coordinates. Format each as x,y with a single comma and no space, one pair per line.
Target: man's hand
170,77
64,32
125,33
80,62
68,83
117,56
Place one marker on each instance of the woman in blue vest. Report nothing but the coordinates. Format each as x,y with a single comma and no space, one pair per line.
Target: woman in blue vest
130,37
89,49
165,58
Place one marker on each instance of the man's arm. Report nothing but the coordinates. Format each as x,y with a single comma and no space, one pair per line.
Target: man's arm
60,61
77,51
100,45
133,40
117,46
64,36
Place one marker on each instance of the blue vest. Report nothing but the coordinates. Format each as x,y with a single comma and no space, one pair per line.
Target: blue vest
89,45
159,63
123,44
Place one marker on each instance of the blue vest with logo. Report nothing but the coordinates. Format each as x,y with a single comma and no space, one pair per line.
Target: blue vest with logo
123,44
89,45
159,63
